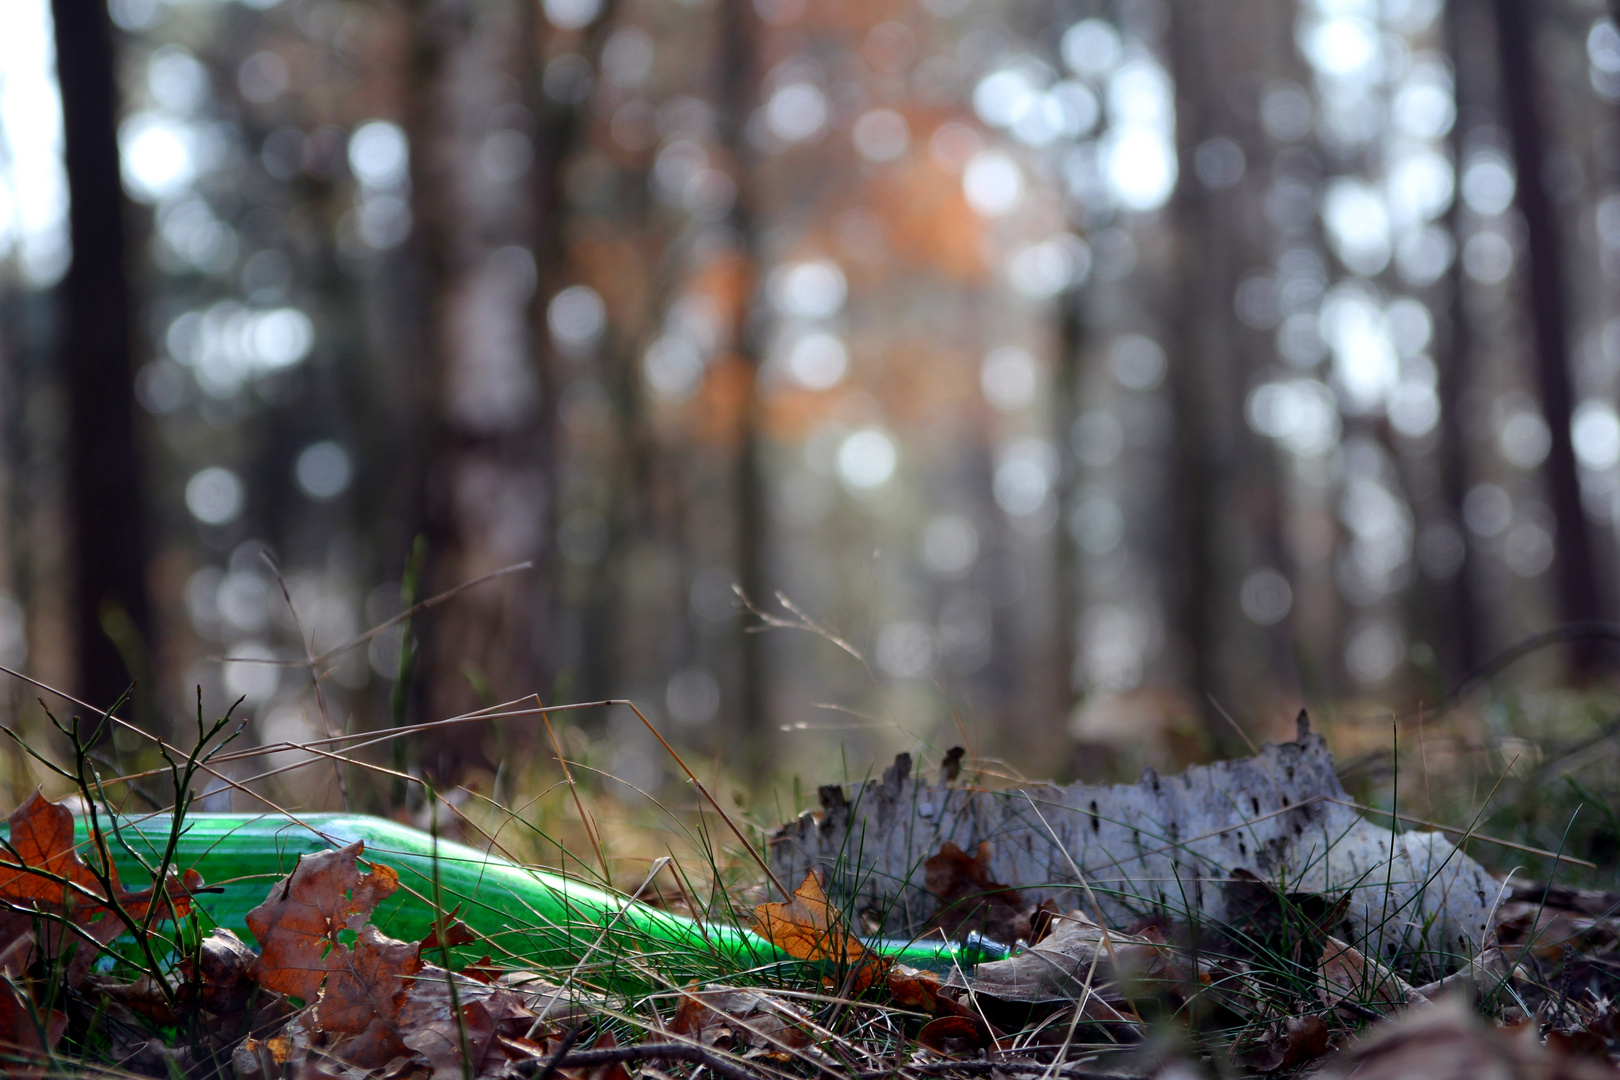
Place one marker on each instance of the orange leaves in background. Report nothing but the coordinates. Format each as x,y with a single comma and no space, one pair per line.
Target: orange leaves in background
809,928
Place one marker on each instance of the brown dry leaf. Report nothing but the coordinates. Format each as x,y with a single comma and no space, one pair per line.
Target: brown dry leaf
221,974
968,897
954,1036
615,1071
494,1022
22,1049
809,928
1286,1046
922,990
1547,930
447,932
272,1057
42,870
1483,976
297,925
1259,915
1076,957
483,969
729,1019
1451,1042
1346,975
366,983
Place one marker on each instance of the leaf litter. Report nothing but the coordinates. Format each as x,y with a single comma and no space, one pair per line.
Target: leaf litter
1269,966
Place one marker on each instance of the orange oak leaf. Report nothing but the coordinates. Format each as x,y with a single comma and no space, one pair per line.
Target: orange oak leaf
367,982
809,928
910,988
41,869
298,924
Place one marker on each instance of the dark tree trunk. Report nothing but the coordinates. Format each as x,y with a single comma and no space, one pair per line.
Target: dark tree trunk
486,470
738,89
1463,640
1200,361
1577,579
104,462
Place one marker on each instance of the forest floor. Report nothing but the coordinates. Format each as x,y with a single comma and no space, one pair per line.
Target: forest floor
106,976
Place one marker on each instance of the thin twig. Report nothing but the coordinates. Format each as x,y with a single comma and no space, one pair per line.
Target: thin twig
732,825
314,675
573,789
979,1068
354,643
698,1055
568,1041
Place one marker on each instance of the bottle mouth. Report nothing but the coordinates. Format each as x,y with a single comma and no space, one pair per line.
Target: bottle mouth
981,948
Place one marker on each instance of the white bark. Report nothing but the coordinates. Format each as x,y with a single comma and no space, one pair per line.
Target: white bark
1159,845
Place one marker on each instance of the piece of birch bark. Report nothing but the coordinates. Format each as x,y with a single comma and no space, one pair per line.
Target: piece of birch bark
1160,845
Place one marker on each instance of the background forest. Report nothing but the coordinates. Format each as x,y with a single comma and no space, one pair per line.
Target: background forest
1086,370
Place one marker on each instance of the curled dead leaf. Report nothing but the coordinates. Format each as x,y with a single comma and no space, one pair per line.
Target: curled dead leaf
731,1019
1451,1042
955,1036
1345,975
922,990
808,928
1081,961
1286,1046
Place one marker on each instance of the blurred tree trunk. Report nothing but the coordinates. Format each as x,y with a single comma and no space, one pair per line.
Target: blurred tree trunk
1199,315
97,350
1527,122
486,475
1463,640
739,78
1067,678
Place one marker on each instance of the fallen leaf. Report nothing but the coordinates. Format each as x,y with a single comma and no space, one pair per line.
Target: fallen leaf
366,982
1081,961
809,928
297,926
615,1071
970,899
1346,975
954,1036
41,869
26,1037
1297,1041
1451,1042
1262,919
730,1019
491,1020
483,969
1547,930
1483,975
922,990
221,972
447,932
